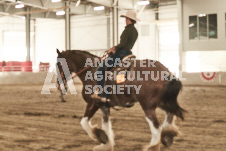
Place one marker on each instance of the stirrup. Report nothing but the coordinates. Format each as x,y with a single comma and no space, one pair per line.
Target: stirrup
97,97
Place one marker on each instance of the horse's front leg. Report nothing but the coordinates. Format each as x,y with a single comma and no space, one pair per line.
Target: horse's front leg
62,97
155,130
108,144
169,130
91,109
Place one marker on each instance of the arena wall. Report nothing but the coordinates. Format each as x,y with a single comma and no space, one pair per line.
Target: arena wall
219,79
214,78
26,78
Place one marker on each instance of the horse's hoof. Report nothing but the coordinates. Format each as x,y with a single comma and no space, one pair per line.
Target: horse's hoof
167,136
103,147
100,135
167,140
63,101
152,148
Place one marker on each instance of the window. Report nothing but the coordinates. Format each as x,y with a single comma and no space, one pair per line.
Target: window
203,27
193,30
212,26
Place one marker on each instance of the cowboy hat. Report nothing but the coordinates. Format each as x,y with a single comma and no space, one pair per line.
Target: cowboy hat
132,15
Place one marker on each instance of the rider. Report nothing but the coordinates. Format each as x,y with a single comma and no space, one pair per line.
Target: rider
127,41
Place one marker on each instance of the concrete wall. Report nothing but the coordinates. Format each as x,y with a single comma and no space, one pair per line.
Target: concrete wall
89,33
49,35
14,25
145,46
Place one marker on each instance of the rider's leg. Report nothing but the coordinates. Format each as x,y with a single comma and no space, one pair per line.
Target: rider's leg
101,81
124,53
107,65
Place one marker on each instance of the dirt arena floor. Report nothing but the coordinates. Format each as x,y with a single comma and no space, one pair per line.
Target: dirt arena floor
31,121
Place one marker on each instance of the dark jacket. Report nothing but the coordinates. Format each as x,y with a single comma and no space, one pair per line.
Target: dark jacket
127,38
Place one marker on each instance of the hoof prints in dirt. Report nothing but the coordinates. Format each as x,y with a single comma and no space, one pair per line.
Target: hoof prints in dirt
72,146
179,140
219,121
43,114
47,114
28,113
36,114
48,148
68,116
25,141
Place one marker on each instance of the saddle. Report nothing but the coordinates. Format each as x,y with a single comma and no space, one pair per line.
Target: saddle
119,73
121,69
127,61
125,66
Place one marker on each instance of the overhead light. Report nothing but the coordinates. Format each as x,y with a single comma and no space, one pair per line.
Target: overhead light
99,8
19,6
60,13
143,2
202,15
191,25
77,3
54,1
18,1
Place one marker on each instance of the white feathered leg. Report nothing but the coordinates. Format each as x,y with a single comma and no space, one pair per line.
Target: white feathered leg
107,127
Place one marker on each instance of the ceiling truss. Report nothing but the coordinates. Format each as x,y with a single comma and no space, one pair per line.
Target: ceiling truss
47,9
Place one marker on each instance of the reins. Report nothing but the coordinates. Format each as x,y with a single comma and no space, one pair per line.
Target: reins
84,69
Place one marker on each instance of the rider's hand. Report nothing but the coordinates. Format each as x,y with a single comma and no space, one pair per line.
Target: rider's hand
112,50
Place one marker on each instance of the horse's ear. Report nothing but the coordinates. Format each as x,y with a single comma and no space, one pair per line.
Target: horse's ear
58,51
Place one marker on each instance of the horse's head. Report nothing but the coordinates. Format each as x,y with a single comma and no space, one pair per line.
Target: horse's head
71,61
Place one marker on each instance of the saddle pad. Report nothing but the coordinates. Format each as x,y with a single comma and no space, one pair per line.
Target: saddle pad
120,78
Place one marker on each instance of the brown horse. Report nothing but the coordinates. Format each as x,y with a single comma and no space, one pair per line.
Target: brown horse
153,92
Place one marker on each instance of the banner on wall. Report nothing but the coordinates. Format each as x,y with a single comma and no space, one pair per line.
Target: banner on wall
208,76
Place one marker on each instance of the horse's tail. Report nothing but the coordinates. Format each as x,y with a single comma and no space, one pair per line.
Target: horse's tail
169,98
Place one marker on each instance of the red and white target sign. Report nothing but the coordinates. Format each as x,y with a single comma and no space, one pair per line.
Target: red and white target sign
208,76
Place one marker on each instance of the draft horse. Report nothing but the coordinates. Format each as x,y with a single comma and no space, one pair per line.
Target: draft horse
153,93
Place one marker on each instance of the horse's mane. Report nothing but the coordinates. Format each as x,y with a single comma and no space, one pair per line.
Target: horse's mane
86,53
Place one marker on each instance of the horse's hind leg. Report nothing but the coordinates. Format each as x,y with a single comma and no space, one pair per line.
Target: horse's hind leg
169,130
155,130
107,140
